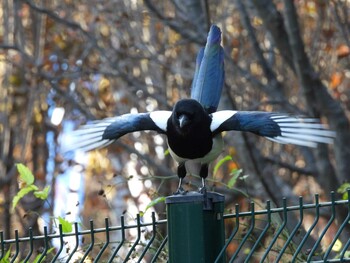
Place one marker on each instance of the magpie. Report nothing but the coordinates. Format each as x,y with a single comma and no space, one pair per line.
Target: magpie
193,128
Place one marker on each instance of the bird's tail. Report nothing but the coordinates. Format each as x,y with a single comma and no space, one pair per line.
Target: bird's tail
209,75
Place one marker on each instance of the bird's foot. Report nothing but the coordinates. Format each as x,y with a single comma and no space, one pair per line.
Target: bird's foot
202,190
180,191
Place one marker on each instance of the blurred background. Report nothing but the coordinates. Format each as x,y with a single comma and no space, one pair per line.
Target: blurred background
63,63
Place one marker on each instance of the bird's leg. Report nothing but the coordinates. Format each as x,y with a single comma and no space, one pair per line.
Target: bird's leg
181,173
203,173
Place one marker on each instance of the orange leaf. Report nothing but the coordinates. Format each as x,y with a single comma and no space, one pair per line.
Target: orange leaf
343,51
232,166
336,79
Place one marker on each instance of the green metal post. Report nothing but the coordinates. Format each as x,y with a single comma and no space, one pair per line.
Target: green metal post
196,230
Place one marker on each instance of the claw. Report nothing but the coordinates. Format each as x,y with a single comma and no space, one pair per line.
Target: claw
180,190
203,189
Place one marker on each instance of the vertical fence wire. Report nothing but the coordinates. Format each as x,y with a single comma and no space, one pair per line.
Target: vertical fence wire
99,255
330,221
31,246
154,231
61,244
303,241
250,230
114,254
76,234
292,234
263,233
279,231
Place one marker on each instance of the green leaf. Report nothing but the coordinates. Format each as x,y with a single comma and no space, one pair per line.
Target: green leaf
221,162
25,174
235,174
36,260
24,191
343,189
43,194
67,227
153,203
345,196
5,259
347,254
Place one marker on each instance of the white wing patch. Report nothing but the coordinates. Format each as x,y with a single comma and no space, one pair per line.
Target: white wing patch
219,117
301,131
160,118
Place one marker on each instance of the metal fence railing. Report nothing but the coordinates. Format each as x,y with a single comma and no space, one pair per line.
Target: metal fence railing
300,233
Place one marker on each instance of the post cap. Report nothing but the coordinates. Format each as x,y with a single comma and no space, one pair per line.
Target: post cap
208,199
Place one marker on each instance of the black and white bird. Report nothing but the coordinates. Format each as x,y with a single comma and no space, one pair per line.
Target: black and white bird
193,128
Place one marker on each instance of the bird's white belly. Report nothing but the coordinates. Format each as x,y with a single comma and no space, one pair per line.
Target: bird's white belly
217,147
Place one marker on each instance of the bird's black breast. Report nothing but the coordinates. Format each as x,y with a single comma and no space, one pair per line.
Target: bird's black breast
192,145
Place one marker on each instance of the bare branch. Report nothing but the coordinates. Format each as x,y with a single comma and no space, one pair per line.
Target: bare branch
273,22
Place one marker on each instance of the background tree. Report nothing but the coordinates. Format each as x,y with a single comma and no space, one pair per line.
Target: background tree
104,58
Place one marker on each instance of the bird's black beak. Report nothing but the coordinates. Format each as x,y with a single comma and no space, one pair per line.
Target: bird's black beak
183,120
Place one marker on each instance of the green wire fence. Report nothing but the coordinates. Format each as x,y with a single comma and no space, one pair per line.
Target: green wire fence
257,235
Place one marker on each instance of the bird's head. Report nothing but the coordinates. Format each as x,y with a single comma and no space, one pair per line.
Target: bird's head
188,115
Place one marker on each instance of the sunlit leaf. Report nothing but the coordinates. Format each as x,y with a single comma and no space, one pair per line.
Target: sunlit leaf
347,254
67,227
166,152
337,246
24,191
37,258
246,251
25,174
5,259
42,194
343,189
221,162
158,200
235,174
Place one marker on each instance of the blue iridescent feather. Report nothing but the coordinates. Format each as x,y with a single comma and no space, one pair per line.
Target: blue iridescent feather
209,75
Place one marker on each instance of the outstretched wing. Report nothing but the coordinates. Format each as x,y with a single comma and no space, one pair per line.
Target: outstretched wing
209,75
98,134
281,128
